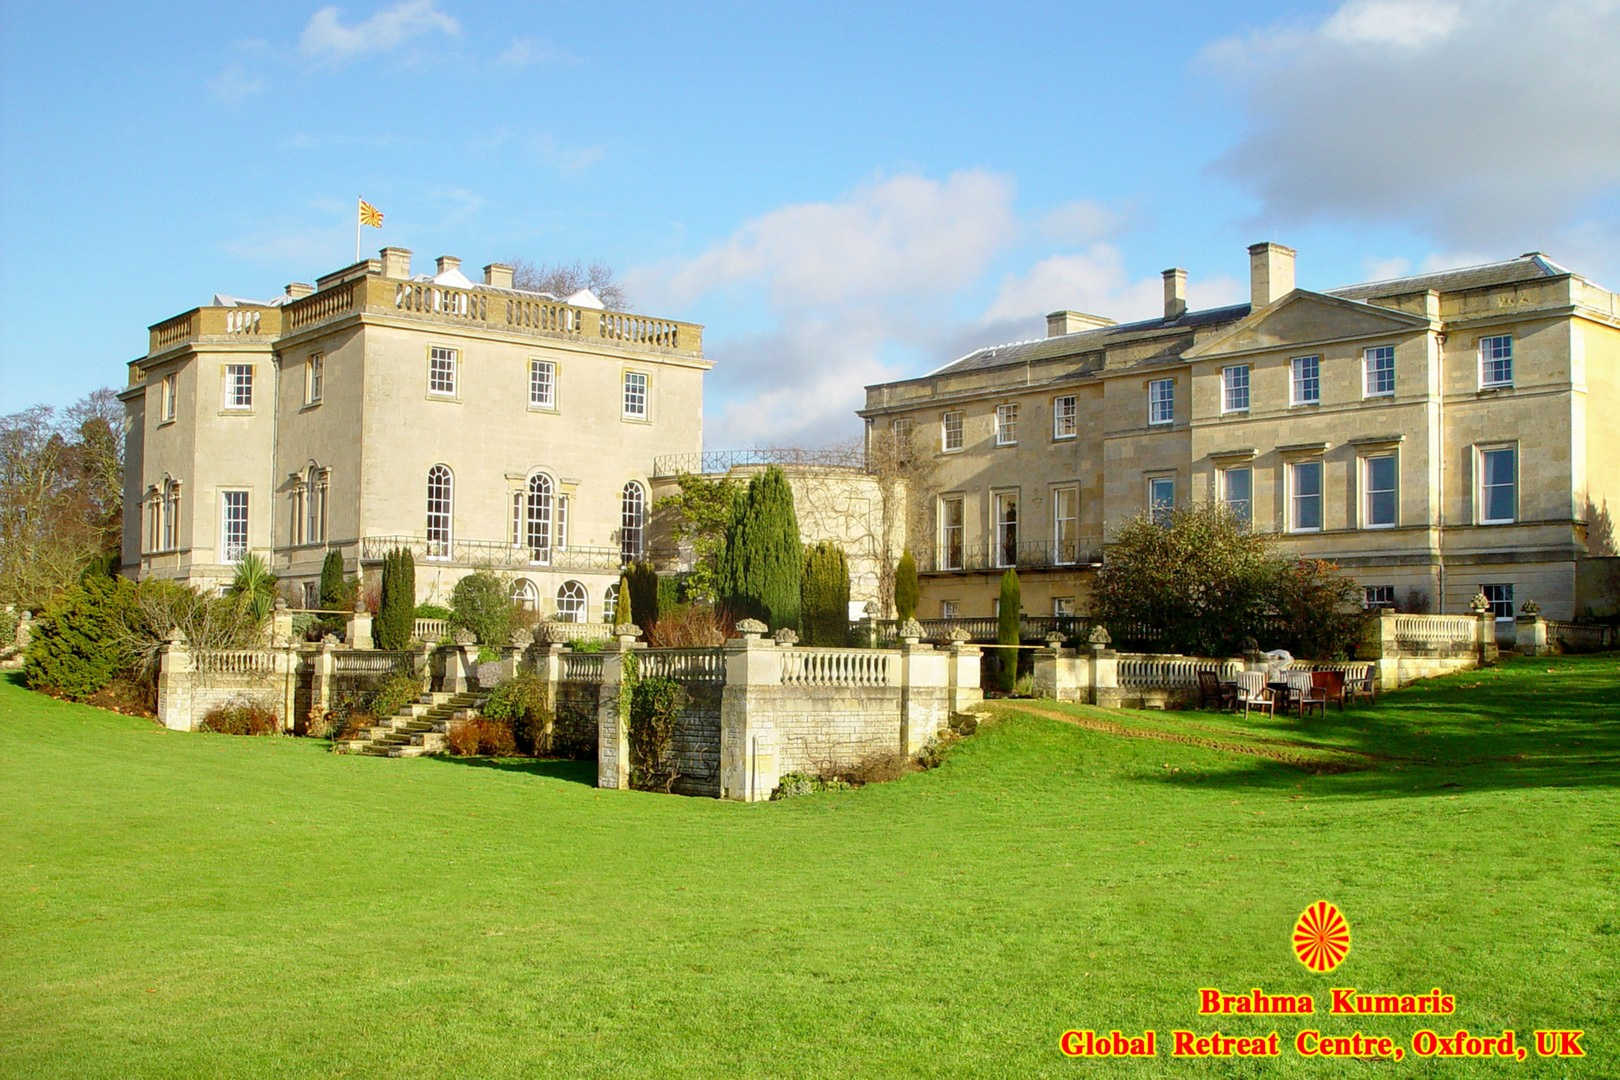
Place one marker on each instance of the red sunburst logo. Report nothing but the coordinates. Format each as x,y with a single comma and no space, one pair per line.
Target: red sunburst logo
1321,937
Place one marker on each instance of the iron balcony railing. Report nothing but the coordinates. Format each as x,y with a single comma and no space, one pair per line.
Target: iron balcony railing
713,462
1022,555
494,554
983,629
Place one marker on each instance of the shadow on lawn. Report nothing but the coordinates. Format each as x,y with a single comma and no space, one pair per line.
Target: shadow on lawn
573,772
1525,723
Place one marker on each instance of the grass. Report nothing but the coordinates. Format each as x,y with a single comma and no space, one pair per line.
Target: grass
183,905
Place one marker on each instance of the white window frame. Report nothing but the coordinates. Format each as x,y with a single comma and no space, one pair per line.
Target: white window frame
1376,354
1295,496
1232,387
169,397
1482,489
314,378
1007,424
539,505
1004,526
238,387
1492,342
1305,380
1065,416
1368,491
232,551
946,530
1377,597
525,596
1161,404
901,431
1499,594
569,594
949,609
169,515
444,374
610,603
1060,556
1160,511
439,531
632,521
952,420
635,401
314,508
1062,607
1247,502
542,384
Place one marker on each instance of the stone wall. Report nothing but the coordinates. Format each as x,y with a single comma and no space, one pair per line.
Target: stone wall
697,742
822,730
574,716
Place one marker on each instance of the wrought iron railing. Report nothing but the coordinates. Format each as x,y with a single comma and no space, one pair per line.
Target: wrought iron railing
984,629
1022,555
722,461
496,554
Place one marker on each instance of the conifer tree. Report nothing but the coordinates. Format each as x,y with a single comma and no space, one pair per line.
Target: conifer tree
1007,631
333,593
624,610
905,587
396,611
643,582
824,595
763,560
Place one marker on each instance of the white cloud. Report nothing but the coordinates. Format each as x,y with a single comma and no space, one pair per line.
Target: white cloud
1095,281
1487,124
527,51
326,37
235,84
1079,222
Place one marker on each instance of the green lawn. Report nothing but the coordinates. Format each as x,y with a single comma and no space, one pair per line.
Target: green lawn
188,905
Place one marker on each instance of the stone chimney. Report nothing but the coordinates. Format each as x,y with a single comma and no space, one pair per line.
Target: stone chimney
1271,273
1059,323
297,290
498,275
396,262
1175,293
446,262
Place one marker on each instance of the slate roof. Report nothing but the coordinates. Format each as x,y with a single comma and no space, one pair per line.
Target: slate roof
1525,268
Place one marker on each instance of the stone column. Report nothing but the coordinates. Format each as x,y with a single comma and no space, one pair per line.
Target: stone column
1485,634
174,681
548,665
322,676
1054,676
613,711
920,684
963,677
284,662
749,768
1104,670
358,632
281,624
1530,631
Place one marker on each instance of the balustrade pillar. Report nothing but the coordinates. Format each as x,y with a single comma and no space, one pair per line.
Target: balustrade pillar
175,676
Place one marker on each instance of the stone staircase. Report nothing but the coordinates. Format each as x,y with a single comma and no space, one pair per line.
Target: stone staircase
420,728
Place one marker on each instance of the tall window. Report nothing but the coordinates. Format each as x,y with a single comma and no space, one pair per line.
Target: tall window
314,505
1162,401
1007,528
1496,360
542,384
1379,476
559,527
233,525
154,514
1378,364
239,386
1237,491
1006,425
314,376
1065,525
442,371
524,595
635,395
1500,597
572,602
1161,498
900,434
948,609
1065,417
632,521
1235,388
1306,496
1498,486
171,514
1063,607
950,431
610,604
170,393
1307,381
537,507
440,507
950,533
1374,597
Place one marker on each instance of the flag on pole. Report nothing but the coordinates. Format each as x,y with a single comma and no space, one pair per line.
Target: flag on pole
370,215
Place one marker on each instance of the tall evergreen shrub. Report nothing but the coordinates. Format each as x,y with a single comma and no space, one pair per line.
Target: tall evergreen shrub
334,595
1007,631
78,643
644,593
624,611
824,595
763,561
396,612
905,587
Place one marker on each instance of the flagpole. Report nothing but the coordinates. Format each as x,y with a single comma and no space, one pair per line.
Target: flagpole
357,228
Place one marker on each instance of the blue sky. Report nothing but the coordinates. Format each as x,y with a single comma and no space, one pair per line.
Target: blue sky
842,194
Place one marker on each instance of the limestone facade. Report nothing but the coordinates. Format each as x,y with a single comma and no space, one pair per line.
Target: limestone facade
1435,435
481,425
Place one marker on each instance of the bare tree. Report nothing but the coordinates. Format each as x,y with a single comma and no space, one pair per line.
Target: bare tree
563,279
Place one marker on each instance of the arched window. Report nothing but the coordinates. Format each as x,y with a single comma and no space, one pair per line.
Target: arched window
441,502
314,505
610,603
537,518
525,595
171,515
571,602
632,522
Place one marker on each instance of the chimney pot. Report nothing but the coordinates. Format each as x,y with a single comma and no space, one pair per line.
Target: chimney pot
1271,273
396,262
446,262
1059,323
498,275
297,290
1175,293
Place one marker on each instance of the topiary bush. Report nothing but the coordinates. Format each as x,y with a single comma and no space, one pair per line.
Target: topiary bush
824,595
395,621
905,587
480,603
1007,631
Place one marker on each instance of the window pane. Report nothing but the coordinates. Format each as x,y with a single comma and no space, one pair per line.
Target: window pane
235,531
1380,370
1497,484
951,431
632,521
1161,401
1007,530
1239,492
1064,417
635,394
1308,495
1381,491
1162,498
1006,425
1307,380
1235,383
542,383
950,529
1065,525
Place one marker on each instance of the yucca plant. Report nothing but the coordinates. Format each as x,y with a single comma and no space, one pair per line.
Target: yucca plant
254,586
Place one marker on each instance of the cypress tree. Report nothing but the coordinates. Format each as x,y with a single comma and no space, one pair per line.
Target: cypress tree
624,611
905,587
643,580
824,595
1007,631
396,611
332,587
764,560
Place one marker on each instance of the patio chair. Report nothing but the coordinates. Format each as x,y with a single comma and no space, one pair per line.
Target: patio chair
1303,694
1331,685
1252,693
1212,691
1361,683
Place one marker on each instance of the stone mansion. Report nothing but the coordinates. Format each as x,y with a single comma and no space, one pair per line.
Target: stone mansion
1438,436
